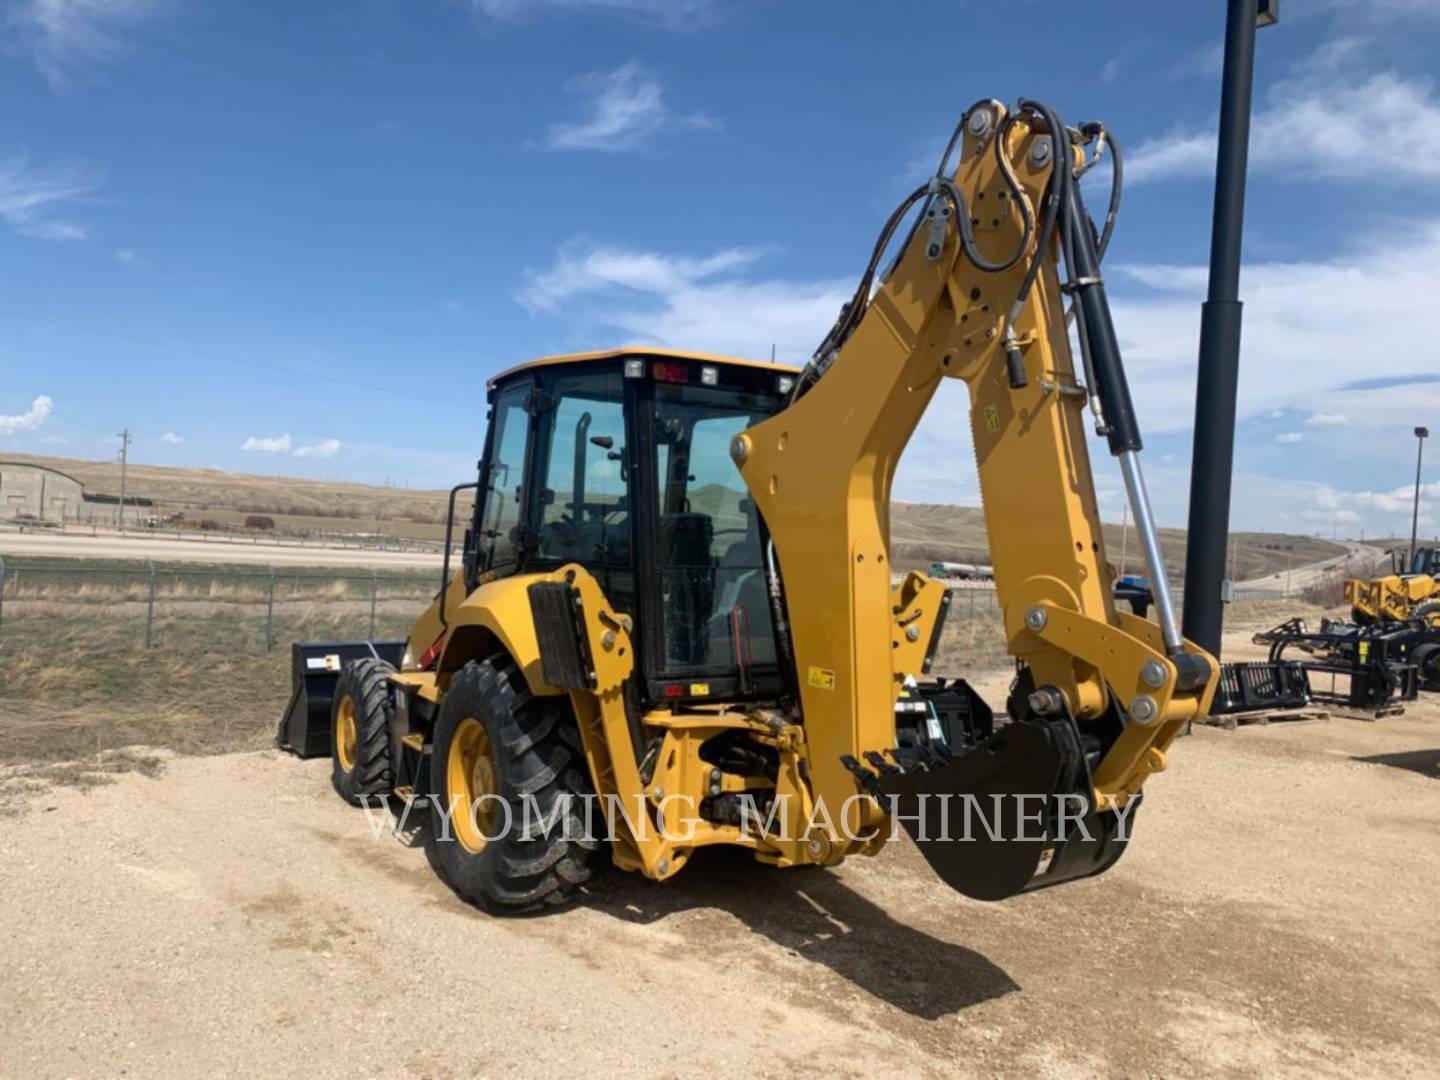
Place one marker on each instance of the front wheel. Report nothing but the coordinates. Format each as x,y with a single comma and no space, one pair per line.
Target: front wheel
510,829
360,731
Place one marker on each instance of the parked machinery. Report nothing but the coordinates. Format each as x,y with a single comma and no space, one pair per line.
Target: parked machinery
1410,591
676,593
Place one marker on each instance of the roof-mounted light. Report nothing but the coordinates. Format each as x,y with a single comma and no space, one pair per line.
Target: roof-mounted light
785,383
634,369
710,375
669,371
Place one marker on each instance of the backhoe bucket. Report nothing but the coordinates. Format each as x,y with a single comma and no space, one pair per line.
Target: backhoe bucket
1010,816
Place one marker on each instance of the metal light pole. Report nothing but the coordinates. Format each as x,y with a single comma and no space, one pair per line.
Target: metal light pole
1421,434
1219,371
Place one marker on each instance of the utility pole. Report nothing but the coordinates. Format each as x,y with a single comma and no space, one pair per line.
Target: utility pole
124,438
1218,378
1421,434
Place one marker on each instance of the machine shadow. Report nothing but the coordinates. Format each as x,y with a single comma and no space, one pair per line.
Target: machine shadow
1424,762
811,913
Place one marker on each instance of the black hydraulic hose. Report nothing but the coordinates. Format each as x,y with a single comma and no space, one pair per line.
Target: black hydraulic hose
942,185
1093,310
1117,183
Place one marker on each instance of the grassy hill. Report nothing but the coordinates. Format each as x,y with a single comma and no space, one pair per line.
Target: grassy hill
921,533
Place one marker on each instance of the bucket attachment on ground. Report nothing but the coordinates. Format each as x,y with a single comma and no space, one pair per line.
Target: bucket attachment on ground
1009,816
314,670
1260,686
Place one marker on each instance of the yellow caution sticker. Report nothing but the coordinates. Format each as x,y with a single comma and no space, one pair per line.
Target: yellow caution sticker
992,419
822,678
699,689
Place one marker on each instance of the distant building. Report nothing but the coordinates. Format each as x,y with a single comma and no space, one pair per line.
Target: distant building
30,492
36,491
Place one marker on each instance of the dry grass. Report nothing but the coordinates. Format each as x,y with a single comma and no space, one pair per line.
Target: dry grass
77,688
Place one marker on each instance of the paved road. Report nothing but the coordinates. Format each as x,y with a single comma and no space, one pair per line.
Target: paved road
15,546
1358,560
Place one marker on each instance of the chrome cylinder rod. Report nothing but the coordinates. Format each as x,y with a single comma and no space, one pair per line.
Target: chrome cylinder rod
1150,547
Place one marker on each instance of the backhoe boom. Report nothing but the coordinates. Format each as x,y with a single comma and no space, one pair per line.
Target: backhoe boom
1104,692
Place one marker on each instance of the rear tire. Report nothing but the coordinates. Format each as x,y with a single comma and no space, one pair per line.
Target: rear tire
497,746
1427,659
360,731
1429,611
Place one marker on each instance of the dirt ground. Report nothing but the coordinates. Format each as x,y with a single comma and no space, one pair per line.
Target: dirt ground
228,915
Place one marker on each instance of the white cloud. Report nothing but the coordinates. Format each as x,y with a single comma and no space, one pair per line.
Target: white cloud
1305,325
29,198
71,40
39,411
626,109
707,304
1289,437
670,14
327,449
171,439
1310,328
127,255
271,444
1327,121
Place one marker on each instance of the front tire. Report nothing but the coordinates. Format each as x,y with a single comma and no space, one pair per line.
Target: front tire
497,751
360,731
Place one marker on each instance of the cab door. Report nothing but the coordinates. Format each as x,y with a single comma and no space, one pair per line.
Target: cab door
500,508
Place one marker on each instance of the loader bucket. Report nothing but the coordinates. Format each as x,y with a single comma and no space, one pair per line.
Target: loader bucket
314,670
1010,816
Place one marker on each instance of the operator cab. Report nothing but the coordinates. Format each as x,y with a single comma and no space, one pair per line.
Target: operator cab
620,462
1426,561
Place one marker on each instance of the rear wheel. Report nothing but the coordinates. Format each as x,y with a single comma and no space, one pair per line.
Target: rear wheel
360,731
1426,658
1429,611
508,819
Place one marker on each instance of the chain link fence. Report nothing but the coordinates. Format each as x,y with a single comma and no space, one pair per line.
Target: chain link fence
147,598
151,605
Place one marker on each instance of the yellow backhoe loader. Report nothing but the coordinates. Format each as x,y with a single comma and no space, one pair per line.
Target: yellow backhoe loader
675,623
1410,591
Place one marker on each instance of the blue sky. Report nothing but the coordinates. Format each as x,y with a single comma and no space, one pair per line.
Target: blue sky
296,238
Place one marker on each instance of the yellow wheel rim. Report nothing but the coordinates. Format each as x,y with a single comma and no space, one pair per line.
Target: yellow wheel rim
347,733
469,778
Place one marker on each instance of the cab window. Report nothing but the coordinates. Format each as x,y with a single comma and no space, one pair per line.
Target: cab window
504,481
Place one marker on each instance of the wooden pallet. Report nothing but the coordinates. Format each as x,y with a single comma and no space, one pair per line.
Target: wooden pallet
1261,717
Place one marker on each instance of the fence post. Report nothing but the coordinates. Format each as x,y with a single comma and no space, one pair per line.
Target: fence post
2,592
150,606
374,589
270,613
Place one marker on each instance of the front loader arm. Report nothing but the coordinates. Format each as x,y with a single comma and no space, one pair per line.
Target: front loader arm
821,472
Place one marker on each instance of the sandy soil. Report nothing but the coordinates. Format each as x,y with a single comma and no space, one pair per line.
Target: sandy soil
229,916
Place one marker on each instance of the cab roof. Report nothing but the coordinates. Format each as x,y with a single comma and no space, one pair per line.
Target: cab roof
666,354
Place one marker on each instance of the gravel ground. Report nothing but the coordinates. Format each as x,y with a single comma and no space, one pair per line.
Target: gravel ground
227,915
